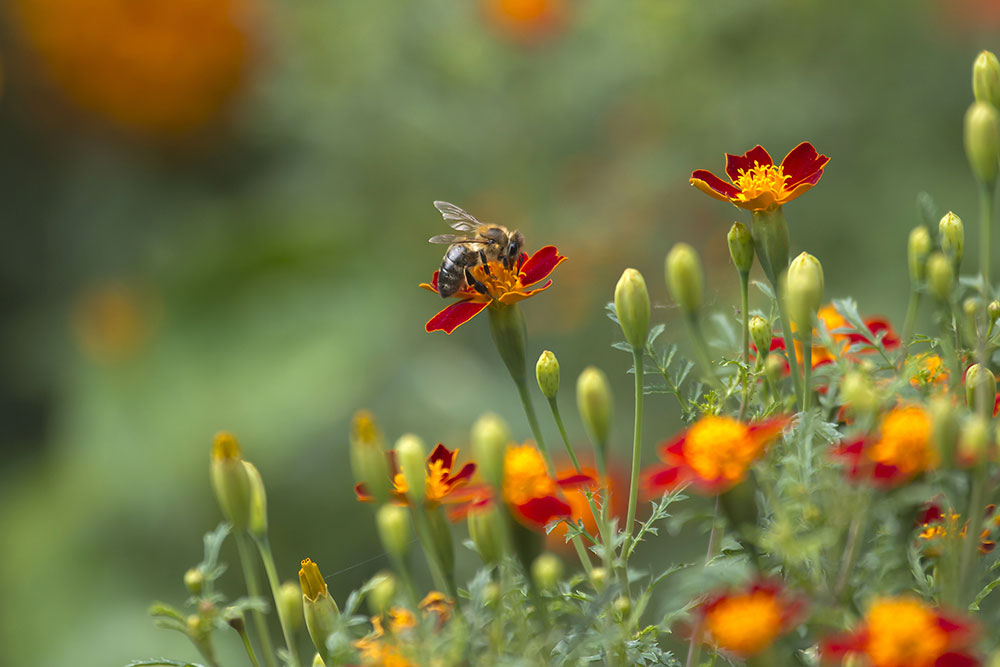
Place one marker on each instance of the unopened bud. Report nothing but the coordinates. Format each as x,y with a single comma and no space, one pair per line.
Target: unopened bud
381,593
411,457
546,571
230,480
368,456
980,390
234,618
856,391
622,606
986,79
194,581
760,334
940,276
918,250
972,308
973,441
393,523
951,234
491,593
490,437
257,524
598,578
289,604
595,403
982,141
804,290
684,277
944,425
318,661
632,308
740,247
547,374
486,529
774,366
319,609
993,311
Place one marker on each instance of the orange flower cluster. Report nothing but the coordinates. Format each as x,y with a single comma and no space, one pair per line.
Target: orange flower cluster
745,622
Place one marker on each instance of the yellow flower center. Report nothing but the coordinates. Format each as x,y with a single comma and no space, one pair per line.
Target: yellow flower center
499,281
760,179
745,624
525,475
225,447
930,371
904,633
437,478
906,441
720,447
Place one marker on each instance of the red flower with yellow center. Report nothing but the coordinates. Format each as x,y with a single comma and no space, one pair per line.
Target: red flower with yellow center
936,526
714,454
441,481
616,485
504,286
758,185
905,632
746,622
902,450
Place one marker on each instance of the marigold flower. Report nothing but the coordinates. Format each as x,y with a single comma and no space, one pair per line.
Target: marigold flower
844,335
930,371
758,185
441,480
616,485
714,454
906,632
526,21
504,286
745,622
903,449
935,526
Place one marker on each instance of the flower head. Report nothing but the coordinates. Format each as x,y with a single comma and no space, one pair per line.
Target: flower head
616,486
757,184
503,285
745,622
714,454
441,482
906,632
902,450
850,342
930,371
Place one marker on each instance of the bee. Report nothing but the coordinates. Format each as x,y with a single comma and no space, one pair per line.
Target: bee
478,245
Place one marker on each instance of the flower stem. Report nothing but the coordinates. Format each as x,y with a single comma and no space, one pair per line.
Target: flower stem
807,354
745,309
911,320
694,647
970,545
267,557
554,405
633,490
985,222
247,645
536,431
854,533
253,589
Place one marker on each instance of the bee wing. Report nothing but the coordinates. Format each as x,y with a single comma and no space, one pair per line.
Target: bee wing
452,238
459,218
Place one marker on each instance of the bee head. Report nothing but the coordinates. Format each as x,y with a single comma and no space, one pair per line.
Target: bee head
515,243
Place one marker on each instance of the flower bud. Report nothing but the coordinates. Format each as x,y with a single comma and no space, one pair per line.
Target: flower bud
598,578
234,618
368,455
684,277
230,480
940,276
972,308
760,334
490,437
595,403
393,523
622,606
546,571
973,441
486,530
740,247
804,290
411,457
944,425
982,141
318,661
774,366
320,611
918,249
993,310
257,524
980,389
856,391
381,593
194,581
289,604
986,79
547,374
951,234
491,593
632,308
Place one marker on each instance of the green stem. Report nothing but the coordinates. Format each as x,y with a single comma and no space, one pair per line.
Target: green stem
536,431
911,319
807,354
633,490
247,645
793,361
985,222
554,405
745,308
253,589
443,579
694,647
967,564
267,557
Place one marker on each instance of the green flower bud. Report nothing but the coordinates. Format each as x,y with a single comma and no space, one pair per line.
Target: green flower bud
982,141
381,593
944,426
234,618
368,456
318,661
547,374
760,334
951,233
856,391
973,309
940,276
980,389
804,290
622,606
598,578
490,437
289,604
993,310
918,249
491,594
974,441
194,581
393,523
320,611
774,366
486,528
740,247
684,277
595,403
257,524
632,308
230,480
986,79
546,571
411,457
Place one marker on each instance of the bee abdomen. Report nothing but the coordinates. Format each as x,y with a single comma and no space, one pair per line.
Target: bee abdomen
451,276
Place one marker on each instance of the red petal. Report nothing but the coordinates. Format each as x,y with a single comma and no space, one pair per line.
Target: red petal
658,479
575,480
756,155
996,405
540,265
838,647
712,185
672,451
443,454
434,282
464,475
956,660
877,325
931,514
361,491
886,474
803,164
541,511
454,316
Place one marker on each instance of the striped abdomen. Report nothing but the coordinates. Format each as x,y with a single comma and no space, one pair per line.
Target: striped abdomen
451,276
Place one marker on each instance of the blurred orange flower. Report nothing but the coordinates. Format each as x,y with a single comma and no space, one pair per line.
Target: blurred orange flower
617,487
526,21
745,622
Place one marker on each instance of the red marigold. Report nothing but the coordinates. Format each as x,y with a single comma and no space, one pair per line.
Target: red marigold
745,622
442,480
902,450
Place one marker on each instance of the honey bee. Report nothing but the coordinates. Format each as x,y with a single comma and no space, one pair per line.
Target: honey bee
480,244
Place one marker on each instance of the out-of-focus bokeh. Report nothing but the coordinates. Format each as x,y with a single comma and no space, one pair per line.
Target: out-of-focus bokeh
214,216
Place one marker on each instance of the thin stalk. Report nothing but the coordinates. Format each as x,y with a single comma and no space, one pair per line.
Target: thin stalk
745,308
253,589
441,578
247,645
985,222
694,647
854,532
911,320
807,354
633,490
793,361
977,510
267,557
536,431
554,405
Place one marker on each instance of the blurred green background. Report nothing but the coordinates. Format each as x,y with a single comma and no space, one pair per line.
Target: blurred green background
215,214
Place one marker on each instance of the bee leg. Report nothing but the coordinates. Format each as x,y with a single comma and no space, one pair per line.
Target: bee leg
478,286
520,262
486,265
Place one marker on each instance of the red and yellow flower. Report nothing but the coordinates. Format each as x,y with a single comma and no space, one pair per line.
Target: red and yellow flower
745,622
504,286
714,454
930,371
441,483
616,485
906,632
902,450
757,184
936,526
